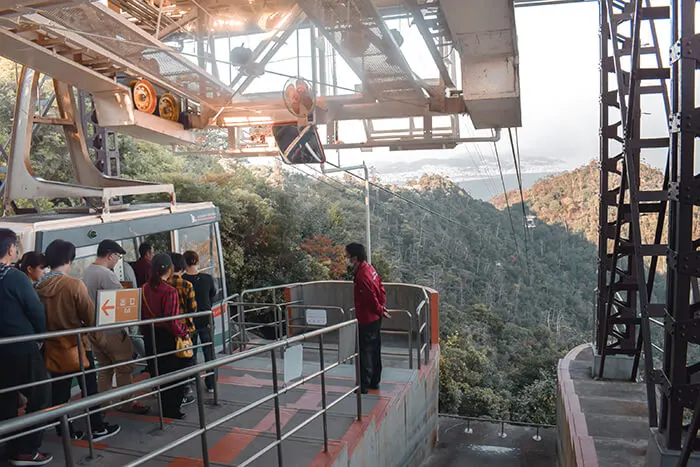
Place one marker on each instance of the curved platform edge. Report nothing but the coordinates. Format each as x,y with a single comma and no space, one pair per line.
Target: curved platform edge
576,447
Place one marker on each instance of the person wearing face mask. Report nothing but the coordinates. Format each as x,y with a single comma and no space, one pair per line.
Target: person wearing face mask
370,308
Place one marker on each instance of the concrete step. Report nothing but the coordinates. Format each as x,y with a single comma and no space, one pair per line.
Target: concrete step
613,389
616,452
617,427
613,406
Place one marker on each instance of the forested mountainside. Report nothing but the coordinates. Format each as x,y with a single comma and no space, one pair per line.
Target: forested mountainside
571,200
512,302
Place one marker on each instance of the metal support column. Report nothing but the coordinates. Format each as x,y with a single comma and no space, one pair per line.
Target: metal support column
632,56
680,376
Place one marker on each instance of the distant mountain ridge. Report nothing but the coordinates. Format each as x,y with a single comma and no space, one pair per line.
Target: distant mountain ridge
571,199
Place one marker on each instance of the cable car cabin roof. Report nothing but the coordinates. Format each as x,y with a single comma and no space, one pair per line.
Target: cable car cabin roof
38,230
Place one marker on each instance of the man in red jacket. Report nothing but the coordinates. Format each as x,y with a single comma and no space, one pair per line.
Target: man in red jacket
370,306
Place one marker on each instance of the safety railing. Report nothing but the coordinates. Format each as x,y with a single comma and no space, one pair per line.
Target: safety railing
418,331
28,423
423,331
238,320
82,373
470,421
244,326
409,333
293,323
225,322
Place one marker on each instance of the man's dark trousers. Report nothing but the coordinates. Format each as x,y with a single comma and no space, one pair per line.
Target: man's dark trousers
370,355
21,368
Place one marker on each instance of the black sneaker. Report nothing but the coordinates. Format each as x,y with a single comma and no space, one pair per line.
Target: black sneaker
106,432
74,435
176,415
187,400
31,459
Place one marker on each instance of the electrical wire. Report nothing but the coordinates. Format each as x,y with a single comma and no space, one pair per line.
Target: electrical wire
505,194
401,197
518,174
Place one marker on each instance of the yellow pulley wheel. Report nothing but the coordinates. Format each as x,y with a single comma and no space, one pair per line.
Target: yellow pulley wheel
168,107
144,95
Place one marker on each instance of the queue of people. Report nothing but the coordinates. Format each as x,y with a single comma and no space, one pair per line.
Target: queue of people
36,301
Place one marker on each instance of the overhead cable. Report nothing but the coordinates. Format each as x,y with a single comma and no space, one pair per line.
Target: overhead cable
505,194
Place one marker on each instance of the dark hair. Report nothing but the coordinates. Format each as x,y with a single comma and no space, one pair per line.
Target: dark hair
144,248
357,250
107,247
191,257
7,239
178,262
59,253
160,264
31,259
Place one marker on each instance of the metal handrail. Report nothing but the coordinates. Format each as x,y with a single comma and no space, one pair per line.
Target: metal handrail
107,327
240,320
62,412
409,333
423,340
82,372
225,317
313,307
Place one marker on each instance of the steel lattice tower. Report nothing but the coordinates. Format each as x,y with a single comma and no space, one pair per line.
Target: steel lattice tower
632,69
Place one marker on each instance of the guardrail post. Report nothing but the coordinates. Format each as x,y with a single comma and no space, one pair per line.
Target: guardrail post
65,437
83,392
202,420
426,313
503,434
410,343
358,381
155,369
278,424
537,436
215,371
323,393
242,330
224,313
419,336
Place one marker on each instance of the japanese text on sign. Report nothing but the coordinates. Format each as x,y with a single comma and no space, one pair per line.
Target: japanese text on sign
118,306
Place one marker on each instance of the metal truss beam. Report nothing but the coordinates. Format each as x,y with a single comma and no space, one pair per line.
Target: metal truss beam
682,321
624,287
424,30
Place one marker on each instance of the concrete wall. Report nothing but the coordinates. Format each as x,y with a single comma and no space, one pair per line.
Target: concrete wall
575,447
402,434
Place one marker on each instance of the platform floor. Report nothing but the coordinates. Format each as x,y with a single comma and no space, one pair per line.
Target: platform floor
483,447
237,440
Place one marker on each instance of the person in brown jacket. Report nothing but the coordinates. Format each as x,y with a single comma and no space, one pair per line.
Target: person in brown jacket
68,305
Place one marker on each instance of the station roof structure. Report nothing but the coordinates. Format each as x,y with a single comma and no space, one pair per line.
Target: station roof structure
96,46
